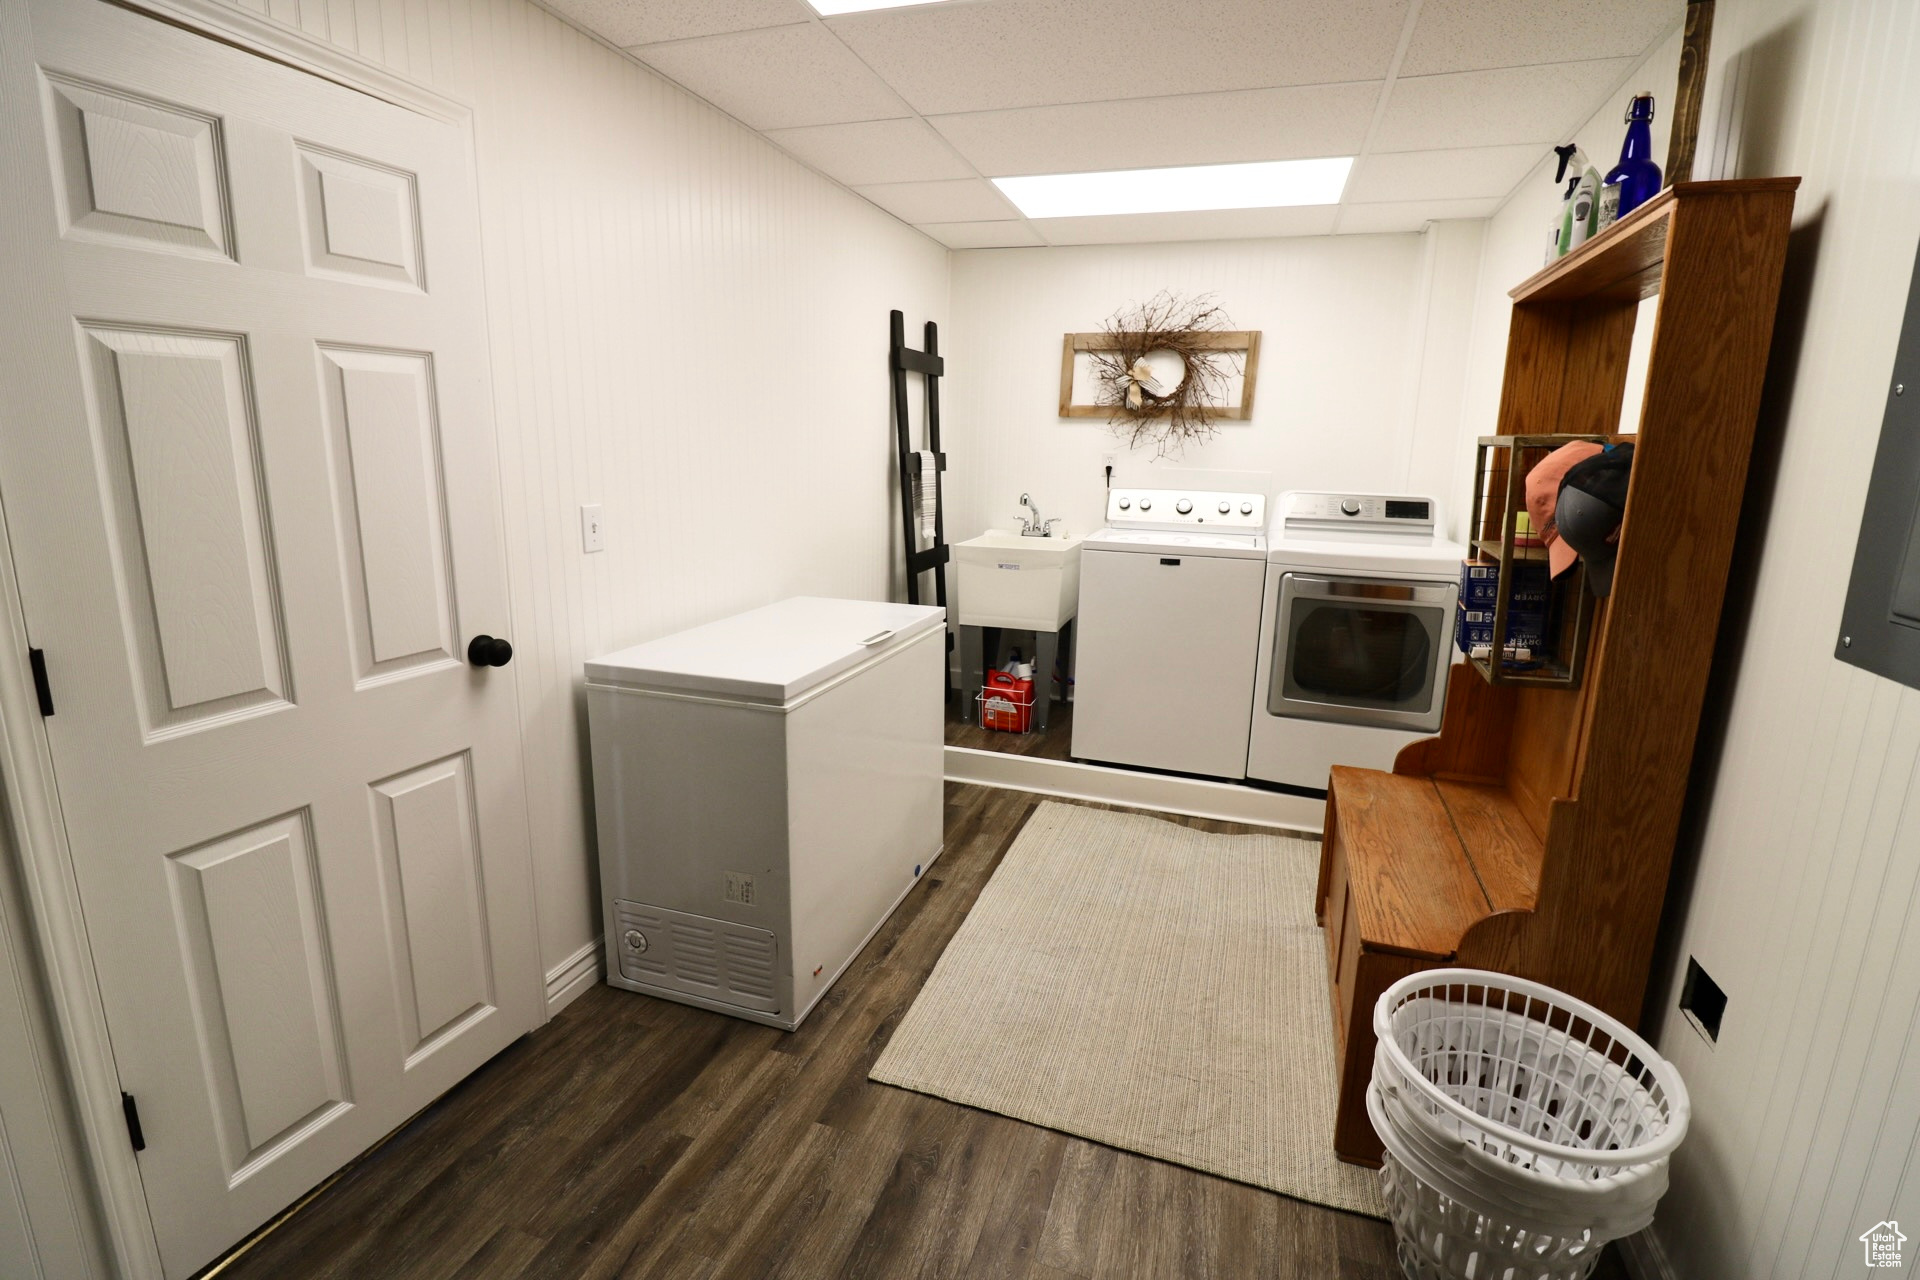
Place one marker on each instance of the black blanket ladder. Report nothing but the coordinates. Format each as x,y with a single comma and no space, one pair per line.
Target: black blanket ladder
902,360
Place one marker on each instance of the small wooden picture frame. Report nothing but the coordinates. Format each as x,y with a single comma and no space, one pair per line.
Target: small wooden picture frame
1243,340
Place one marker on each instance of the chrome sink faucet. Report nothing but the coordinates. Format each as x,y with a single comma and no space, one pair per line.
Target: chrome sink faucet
1034,527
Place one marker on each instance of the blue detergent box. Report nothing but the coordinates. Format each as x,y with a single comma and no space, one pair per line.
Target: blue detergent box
1475,627
1480,587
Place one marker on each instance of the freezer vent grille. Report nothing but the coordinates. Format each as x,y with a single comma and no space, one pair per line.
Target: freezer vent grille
696,952
750,965
696,955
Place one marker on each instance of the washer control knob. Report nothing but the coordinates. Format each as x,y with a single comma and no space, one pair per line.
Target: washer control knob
1146,504
636,941
1183,506
1225,507
1350,507
1125,504
1246,508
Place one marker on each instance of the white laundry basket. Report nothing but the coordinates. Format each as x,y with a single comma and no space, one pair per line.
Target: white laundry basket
1524,1129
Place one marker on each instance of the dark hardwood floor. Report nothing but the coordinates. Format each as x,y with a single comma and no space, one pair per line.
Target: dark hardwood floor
634,1137
1051,743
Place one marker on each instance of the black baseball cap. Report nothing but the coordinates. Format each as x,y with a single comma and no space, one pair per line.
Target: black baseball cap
1591,505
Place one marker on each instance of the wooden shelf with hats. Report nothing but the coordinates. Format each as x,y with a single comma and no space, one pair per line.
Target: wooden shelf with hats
1546,643
1534,834
1556,656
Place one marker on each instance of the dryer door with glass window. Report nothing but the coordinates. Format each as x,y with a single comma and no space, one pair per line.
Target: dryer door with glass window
1360,651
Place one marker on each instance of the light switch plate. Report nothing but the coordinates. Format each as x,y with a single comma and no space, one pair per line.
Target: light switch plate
593,532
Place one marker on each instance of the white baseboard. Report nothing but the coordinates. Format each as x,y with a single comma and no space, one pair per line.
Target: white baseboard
572,977
1197,797
1644,1258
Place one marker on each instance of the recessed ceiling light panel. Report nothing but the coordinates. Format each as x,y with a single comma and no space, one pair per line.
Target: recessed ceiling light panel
1268,184
828,8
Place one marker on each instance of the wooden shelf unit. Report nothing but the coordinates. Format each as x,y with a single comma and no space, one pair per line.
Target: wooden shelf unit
1499,496
1495,550
1533,836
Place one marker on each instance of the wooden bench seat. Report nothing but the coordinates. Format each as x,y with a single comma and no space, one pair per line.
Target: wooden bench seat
1408,866
1409,884
1504,851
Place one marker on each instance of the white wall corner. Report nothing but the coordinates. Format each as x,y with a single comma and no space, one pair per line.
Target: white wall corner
573,977
1450,271
1472,416
1644,1258
1414,393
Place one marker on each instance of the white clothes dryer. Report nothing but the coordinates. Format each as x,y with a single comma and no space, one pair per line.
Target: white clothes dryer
1356,634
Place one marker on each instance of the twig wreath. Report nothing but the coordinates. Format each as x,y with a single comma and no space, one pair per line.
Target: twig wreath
1143,409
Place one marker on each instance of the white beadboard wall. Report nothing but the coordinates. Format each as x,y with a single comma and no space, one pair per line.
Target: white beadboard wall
1798,886
687,327
1360,366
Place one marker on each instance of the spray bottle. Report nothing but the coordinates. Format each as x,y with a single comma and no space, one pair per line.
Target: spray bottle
1583,211
1579,203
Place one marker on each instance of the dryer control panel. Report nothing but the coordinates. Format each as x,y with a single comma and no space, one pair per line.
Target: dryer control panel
1379,512
1187,509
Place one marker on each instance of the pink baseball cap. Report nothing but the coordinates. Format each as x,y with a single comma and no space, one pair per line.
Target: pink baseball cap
1543,493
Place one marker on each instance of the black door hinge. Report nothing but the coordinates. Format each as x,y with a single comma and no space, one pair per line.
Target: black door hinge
37,659
132,1110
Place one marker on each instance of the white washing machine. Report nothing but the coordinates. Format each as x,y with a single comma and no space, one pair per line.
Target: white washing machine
1356,636
1169,625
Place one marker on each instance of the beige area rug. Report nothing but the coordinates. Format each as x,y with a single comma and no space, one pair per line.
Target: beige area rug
1148,986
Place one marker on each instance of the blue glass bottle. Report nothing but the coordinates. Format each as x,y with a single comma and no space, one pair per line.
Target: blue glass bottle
1637,174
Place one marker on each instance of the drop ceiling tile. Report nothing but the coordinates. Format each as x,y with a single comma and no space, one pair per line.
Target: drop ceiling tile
1409,215
1495,108
1211,224
997,54
631,22
1471,173
780,78
874,151
1145,133
1468,35
968,200
983,235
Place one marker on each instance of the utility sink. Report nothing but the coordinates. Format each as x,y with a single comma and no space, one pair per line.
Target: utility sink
1010,580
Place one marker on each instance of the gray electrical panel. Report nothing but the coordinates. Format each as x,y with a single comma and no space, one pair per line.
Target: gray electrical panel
1880,625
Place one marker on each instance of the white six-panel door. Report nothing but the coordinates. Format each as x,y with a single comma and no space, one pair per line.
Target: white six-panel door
248,468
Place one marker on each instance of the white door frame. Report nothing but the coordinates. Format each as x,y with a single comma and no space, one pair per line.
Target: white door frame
26,760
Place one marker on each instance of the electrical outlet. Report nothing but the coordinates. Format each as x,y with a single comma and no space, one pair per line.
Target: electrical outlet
593,533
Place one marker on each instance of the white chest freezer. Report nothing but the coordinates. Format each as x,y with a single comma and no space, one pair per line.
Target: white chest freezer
767,789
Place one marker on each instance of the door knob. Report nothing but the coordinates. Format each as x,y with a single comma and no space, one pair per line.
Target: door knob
489,651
